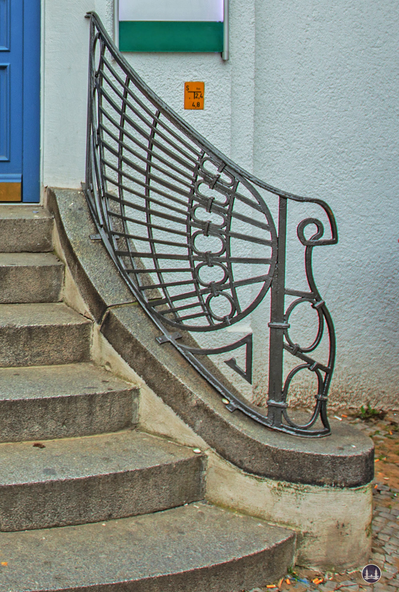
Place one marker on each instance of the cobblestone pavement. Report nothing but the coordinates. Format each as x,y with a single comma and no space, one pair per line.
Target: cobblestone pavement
384,430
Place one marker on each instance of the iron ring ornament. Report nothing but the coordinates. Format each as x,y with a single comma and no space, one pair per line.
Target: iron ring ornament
195,241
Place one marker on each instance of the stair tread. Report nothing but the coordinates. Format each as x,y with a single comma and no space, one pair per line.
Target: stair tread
89,456
169,550
64,401
39,314
29,260
69,380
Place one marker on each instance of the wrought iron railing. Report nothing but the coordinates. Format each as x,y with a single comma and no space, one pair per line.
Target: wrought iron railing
195,241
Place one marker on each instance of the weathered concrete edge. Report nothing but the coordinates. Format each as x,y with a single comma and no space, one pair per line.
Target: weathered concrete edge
242,442
333,525
87,260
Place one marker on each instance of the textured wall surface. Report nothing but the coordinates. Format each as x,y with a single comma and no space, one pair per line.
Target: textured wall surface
327,126
64,90
227,119
308,101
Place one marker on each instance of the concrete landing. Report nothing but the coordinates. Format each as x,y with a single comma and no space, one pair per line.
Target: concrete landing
196,548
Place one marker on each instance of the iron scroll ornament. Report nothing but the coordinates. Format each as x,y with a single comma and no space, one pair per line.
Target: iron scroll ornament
194,239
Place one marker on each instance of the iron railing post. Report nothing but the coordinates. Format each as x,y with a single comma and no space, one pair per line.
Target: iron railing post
277,323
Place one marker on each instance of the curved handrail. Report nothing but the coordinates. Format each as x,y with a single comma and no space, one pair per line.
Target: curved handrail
193,237
203,142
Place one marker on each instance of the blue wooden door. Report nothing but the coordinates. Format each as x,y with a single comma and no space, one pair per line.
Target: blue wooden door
19,100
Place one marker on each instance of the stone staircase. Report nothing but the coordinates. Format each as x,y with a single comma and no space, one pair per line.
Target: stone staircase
88,501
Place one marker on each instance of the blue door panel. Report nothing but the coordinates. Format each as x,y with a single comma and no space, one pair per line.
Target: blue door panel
20,96
4,24
4,81
5,128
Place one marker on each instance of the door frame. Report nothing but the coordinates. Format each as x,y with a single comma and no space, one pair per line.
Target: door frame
31,101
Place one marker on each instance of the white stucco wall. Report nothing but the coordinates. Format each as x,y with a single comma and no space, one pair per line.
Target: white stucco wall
327,126
226,121
313,110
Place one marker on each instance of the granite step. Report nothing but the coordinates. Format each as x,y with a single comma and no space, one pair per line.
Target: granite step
64,401
195,548
95,478
87,501
30,277
25,229
41,334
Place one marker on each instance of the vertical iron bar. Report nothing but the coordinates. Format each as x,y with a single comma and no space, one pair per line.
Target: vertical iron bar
277,324
116,23
89,129
226,31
